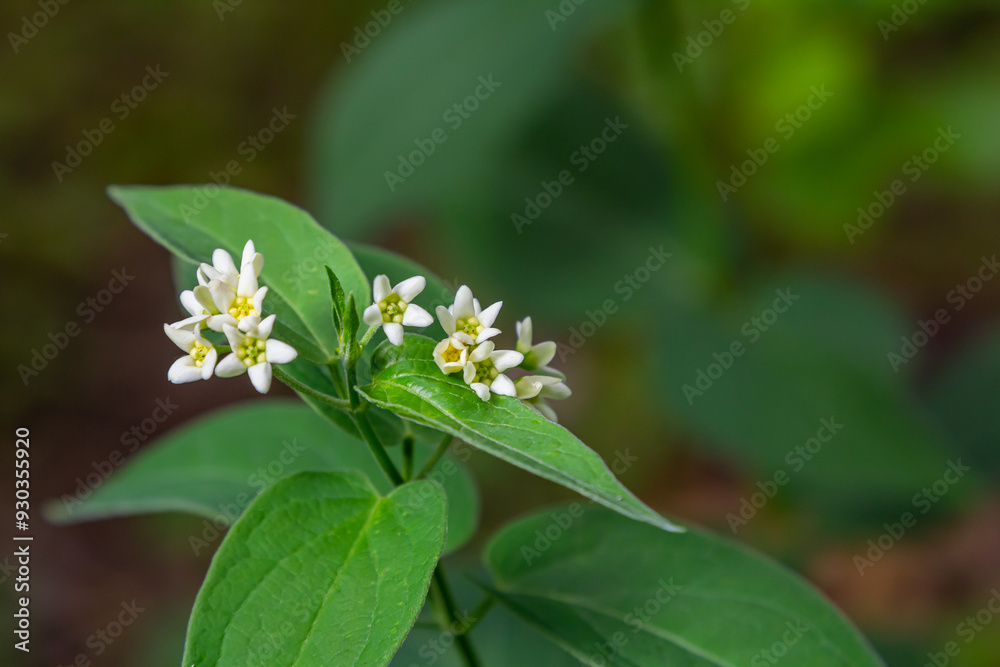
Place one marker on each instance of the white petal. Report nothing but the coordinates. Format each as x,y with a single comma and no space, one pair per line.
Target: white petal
381,288
218,322
223,262
394,332
278,352
248,282
258,299
265,326
476,307
502,385
546,411
544,352
248,253
249,323
372,315
182,338
190,303
524,333
463,307
527,388
463,338
469,374
489,316
230,367
415,316
190,323
210,272
482,390
204,297
410,288
446,319
208,364
233,335
486,334
183,370
556,390
260,376
504,359
258,264
482,351
223,295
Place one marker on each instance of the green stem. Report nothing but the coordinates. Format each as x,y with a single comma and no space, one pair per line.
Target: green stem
446,613
478,613
368,434
367,337
340,403
438,453
408,457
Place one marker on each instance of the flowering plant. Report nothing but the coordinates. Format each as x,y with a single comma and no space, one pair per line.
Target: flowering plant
351,499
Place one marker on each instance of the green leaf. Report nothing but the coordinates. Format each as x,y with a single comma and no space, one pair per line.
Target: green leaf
812,395
320,570
191,225
406,90
214,466
339,301
407,381
966,397
349,337
617,592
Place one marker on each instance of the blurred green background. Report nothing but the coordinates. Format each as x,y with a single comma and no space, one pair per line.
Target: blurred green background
841,153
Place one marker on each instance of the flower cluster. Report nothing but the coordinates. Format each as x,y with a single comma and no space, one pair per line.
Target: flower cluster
227,300
468,350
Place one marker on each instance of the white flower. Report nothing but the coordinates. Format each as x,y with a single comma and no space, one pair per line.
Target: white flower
198,302
484,372
254,352
199,362
532,390
224,269
246,300
467,320
451,355
536,357
393,308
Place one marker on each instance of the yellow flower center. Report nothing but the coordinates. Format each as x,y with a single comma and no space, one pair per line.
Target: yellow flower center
392,308
452,355
486,372
242,307
470,326
198,353
252,351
